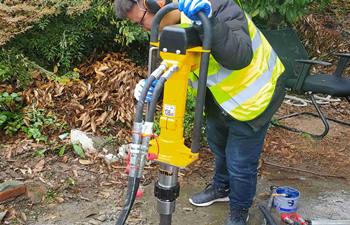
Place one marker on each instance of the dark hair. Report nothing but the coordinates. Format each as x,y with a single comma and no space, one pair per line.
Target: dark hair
121,7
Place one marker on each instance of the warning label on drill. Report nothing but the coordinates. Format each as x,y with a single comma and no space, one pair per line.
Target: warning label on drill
169,110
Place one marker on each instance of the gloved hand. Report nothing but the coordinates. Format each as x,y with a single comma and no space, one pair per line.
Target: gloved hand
192,7
139,87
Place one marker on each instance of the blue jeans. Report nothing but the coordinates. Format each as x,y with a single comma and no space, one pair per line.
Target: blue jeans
237,151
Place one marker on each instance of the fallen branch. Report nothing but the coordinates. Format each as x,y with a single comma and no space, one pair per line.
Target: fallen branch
48,74
302,170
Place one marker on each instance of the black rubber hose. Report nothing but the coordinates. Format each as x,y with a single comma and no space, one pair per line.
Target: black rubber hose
158,17
165,219
133,186
133,182
202,82
270,220
155,96
141,102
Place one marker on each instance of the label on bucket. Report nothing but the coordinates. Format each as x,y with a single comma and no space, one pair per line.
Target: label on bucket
289,203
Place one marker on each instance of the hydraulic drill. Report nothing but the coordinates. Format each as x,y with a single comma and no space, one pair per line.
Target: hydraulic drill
182,51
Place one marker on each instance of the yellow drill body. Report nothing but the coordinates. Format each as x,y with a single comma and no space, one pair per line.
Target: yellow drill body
170,147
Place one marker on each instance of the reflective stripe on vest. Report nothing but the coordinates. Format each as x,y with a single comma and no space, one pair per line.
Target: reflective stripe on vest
245,93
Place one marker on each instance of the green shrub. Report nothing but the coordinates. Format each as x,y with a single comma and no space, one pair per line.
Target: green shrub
32,121
36,120
11,118
13,68
63,40
276,13
133,39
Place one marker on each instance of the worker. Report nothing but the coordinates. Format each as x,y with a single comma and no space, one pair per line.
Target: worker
244,91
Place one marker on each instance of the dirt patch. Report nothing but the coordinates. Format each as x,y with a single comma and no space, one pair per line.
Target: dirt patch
327,156
95,192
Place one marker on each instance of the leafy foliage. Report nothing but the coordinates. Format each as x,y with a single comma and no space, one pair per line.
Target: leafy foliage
13,68
129,32
36,120
13,118
63,40
279,12
62,149
78,150
10,116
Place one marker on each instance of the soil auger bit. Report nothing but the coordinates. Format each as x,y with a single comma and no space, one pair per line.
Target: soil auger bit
182,52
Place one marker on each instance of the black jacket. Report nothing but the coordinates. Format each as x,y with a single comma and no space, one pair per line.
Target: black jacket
232,48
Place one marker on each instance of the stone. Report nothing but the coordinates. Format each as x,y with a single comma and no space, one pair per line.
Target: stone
94,222
101,218
2,215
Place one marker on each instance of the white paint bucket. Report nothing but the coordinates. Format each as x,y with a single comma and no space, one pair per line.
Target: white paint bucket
288,203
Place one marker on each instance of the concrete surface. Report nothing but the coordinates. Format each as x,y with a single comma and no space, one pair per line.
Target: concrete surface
320,198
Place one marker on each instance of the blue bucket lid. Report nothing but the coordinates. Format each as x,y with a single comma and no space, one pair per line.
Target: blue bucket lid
290,192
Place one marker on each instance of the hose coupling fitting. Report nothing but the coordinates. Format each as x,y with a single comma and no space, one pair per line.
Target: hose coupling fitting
159,71
170,71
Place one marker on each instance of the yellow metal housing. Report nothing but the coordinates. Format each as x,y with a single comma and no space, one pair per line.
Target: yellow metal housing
171,141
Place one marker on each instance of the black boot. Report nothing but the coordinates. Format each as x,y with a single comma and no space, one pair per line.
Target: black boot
210,195
238,216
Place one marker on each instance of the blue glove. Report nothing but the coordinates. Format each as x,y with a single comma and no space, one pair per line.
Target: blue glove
192,7
139,87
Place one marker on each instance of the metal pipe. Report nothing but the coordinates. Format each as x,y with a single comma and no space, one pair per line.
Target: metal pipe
166,189
151,56
168,175
165,219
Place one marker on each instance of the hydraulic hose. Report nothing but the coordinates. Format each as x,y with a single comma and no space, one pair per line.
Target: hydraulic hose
158,91
139,108
156,94
141,102
158,17
135,172
137,153
133,186
270,220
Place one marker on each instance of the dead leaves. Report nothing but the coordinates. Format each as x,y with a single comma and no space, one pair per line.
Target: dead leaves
85,162
323,35
102,95
39,166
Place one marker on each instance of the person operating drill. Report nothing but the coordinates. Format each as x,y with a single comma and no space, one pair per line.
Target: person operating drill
244,91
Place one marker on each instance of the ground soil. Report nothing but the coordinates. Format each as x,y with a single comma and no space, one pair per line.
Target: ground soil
59,184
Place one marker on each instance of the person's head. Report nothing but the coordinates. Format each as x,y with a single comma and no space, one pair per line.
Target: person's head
138,12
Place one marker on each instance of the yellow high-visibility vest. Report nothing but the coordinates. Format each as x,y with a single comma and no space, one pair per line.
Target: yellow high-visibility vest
244,93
